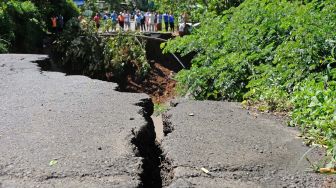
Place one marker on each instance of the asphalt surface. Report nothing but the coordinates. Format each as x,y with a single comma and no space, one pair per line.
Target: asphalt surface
72,131
239,149
65,131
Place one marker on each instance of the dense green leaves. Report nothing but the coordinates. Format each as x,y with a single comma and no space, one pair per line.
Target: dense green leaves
17,19
23,24
126,55
81,50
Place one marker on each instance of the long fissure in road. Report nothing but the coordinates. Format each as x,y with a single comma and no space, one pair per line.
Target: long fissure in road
59,130
145,139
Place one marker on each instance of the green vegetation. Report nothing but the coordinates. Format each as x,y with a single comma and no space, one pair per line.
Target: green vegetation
160,109
81,50
25,23
126,55
275,55
196,8
16,20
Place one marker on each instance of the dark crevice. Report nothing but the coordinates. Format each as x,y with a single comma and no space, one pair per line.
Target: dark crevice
167,171
144,139
167,125
148,148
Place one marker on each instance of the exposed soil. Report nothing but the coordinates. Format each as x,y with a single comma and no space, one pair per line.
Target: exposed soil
159,84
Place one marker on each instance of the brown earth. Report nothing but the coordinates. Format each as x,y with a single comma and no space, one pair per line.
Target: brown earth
159,84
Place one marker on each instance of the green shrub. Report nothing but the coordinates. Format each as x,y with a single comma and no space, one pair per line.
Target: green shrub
79,50
21,25
126,55
315,110
82,51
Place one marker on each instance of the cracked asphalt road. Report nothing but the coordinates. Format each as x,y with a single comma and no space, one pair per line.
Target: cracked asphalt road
83,124
87,129
238,148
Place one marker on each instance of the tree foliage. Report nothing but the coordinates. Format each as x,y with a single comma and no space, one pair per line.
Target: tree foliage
195,8
24,23
17,19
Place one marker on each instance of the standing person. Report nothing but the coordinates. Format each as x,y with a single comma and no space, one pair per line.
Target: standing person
142,22
114,21
166,21
53,24
151,18
105,17
171,22
159,22
121,21
127,18
155,21
60,23
105,26
147,21
137,19
96,19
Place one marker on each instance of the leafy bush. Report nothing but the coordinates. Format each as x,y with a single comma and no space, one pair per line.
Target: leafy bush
6,32
24,23
79,50
82,51
17,19
314,103
126,55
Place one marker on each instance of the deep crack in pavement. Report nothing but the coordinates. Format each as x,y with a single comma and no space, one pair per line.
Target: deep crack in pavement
71,131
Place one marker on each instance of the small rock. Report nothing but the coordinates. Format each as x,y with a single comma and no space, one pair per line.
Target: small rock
131,118
191,114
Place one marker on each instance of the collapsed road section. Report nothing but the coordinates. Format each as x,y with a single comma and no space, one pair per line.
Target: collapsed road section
71,131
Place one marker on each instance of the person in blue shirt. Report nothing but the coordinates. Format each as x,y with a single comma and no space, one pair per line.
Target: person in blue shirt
171,22
137,18
166,21
114,21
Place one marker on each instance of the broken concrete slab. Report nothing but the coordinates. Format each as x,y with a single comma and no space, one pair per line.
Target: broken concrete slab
237,147
67,131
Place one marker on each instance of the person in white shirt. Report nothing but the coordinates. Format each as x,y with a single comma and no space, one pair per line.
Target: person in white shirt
151,21
146,21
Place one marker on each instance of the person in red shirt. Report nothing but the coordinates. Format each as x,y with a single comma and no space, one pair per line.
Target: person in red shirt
97,20
53,24
121,21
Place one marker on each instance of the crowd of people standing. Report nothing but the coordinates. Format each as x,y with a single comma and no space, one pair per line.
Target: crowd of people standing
153,21
149,21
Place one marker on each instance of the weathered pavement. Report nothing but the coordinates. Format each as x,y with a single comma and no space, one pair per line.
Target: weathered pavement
90,130
237,147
